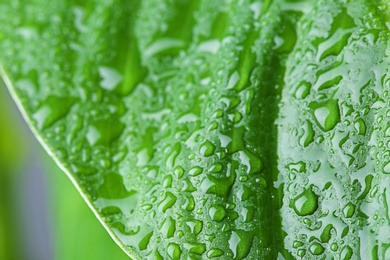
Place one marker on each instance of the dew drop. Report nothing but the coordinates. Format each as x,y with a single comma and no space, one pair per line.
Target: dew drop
168,201
168,227
179,172
301,252
51,110
110,77
104,132
306,203
349,210
326,114
346,253
240,242
195,248
207,149
195,226
174,251
316,248
195,171
217,213
386,168
214,252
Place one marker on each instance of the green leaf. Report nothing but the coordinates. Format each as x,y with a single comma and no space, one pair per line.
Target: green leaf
201,129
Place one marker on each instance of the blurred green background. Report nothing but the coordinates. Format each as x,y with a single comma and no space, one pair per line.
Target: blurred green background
42,216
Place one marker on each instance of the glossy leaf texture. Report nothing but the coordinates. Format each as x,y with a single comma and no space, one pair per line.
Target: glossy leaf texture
226,129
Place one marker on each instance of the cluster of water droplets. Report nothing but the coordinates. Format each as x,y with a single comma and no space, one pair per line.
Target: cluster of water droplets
164,112
332,135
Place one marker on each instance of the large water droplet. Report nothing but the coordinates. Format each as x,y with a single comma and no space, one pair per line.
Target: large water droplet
51,110
195,248
240,242
306,203
207,149
349,210
196,226
174,251
214,252
217,213
168,201
316,248
195,171
168,227
104,132
327,114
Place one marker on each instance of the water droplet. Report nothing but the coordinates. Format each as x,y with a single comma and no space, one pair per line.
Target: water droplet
306,203
174,251
104,132
179,172
195,171
303,90
189,203
234,78
81,169
217,213
211,46
349,210
188,186
216,168
51,110
139,237
326,234
168,227
301,252
196,226
168,201
247,214
240,242
196,248
326,114
167,183
214,252
308,134
170,162
207,149
316,248
299,167
237,117
213,126
110,77
217,186
297,244
386,168
360,126
163,45
346,253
